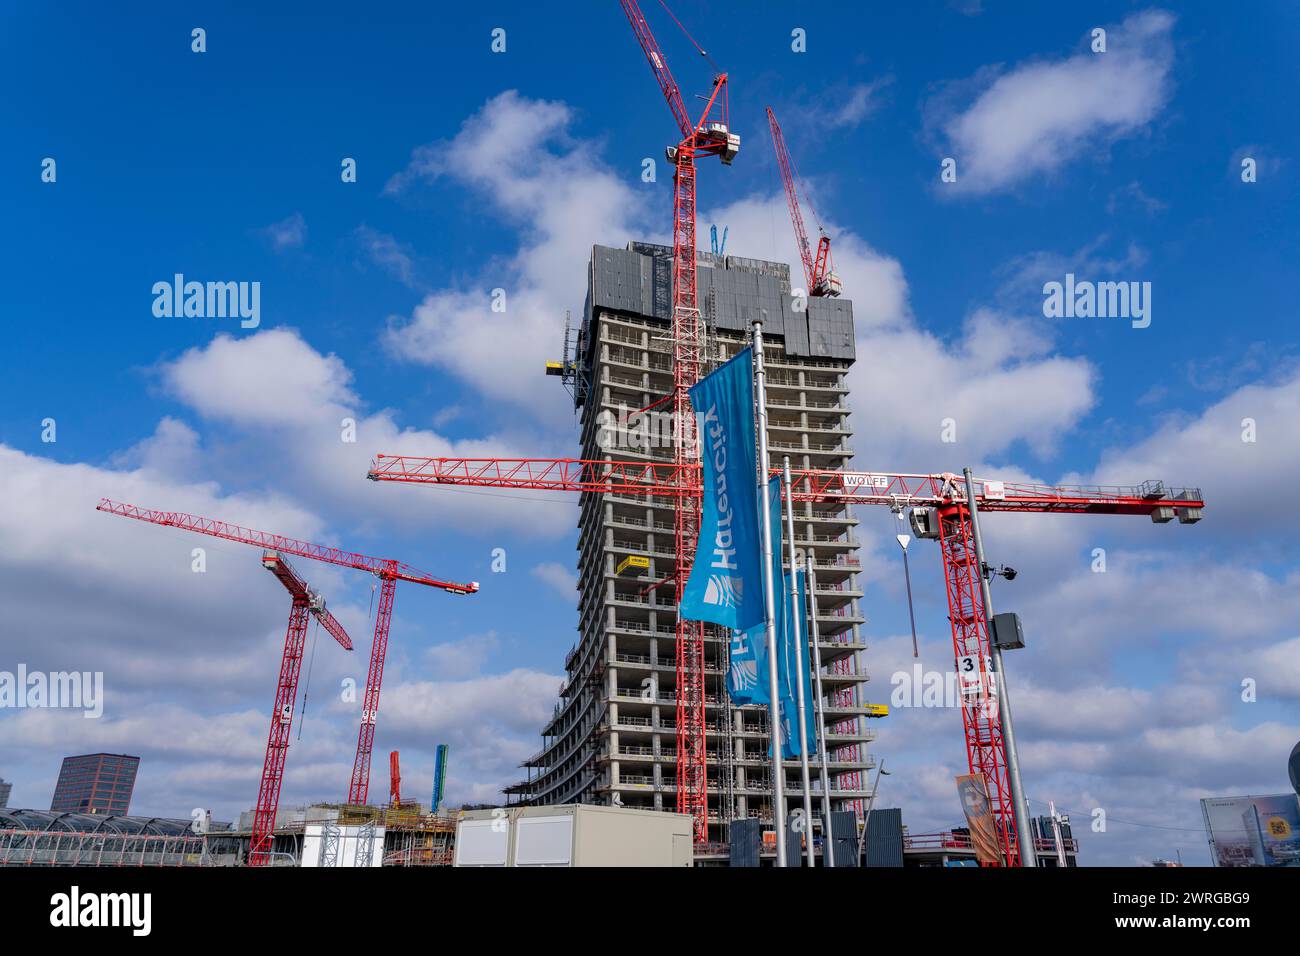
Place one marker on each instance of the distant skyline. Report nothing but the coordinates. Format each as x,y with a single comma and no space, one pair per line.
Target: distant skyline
1162,663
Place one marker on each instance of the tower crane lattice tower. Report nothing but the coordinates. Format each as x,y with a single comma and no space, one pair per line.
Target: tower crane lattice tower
818,272
703,138
306,604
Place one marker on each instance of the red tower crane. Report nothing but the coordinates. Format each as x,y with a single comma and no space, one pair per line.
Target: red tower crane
387,570
941,501
704,137
817,271
306,603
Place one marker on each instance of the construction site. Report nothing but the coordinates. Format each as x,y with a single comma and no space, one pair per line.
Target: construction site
647,758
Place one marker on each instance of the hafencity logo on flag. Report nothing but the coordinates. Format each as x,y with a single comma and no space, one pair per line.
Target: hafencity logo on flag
723,584
743,674
724,590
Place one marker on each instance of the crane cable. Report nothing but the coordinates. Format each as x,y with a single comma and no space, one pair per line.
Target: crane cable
701,49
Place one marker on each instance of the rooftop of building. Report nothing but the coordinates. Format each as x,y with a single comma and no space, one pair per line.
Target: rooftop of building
732,293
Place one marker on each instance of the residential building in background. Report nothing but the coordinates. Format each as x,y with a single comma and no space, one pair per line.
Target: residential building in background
612,737
5,788
95,783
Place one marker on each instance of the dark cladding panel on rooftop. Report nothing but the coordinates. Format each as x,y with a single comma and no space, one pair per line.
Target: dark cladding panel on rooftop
638,281
796,330
830,328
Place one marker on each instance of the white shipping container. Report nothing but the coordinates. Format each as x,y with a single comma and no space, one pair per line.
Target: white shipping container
573,835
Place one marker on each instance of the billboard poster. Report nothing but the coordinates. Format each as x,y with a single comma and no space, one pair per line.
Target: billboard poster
1253,831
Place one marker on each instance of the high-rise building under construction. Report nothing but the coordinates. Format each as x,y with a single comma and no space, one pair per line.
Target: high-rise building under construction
612,737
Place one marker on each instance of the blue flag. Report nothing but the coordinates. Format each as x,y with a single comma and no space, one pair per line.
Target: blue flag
792,655
725,584
747,677
793,666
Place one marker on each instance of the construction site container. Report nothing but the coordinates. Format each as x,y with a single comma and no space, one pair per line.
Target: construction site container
573,835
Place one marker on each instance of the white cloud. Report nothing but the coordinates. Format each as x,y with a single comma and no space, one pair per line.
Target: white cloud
1037,117
464,657
293,413
271,378
288,233
527,166
86,590
172,450
1209,451
189,659
906,380
561,579
490,724
855,104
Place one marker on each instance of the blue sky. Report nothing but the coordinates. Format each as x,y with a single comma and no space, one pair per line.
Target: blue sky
479,170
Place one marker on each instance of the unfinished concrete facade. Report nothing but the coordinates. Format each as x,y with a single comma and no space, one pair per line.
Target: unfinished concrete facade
611,739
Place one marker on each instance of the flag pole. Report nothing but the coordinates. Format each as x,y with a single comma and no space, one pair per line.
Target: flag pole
796,631
814,638
769,597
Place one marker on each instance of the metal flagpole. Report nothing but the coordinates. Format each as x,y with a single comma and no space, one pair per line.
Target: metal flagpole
796,631
828,844
769,597
866,819
1024,836
1057,837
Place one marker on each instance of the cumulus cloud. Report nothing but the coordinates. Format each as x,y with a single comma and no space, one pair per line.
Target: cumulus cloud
529,169
295,384
1250,437
489,722
906,380
298,415
464,657
1035,118
173,450
189,658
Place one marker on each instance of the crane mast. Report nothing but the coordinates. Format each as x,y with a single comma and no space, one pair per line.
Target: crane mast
702,138
305,604
817,270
